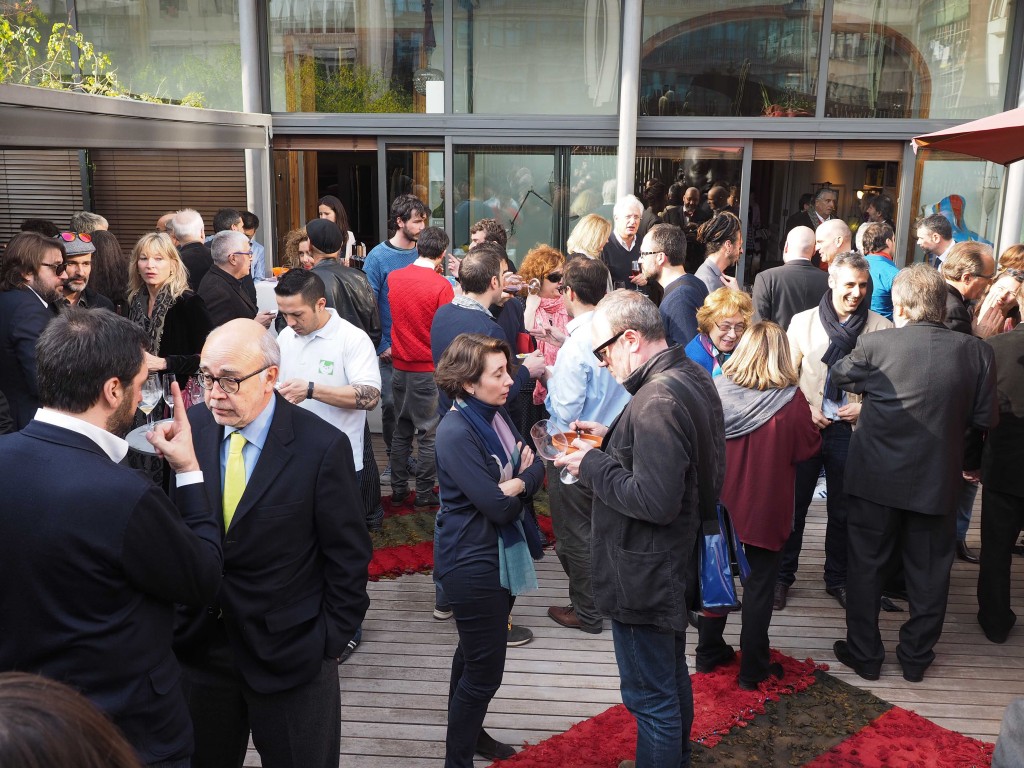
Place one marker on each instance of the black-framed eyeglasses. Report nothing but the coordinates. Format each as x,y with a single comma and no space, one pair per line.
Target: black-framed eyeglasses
984,277
58,269
563,288
601,351
229,384
555,277
649,253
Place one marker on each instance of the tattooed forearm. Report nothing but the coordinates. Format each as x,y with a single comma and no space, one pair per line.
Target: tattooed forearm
367,397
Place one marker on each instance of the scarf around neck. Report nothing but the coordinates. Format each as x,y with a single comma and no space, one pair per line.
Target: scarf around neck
746,409
842,337
153,324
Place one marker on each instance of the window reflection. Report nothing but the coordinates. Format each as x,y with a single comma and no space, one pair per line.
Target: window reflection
912,59
357,56
753,58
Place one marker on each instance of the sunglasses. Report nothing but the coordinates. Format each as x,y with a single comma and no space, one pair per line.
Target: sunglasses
555,277
68,237
58,269
601,351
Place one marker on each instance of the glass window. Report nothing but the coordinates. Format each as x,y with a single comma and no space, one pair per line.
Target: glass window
368,56
965,190
942,59
182,50
591,183
537,57
420,172
755,57
518,186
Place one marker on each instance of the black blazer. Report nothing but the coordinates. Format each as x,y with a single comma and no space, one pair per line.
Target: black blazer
958,314
22,318
225,297
923,387
296,554
197,260
186,327
92,559
1004,446
781,292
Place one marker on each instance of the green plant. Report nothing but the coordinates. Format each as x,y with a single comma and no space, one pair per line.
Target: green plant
353,89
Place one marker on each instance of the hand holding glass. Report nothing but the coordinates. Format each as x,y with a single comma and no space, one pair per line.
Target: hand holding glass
551,444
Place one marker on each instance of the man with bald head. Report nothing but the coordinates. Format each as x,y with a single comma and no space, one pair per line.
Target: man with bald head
781,292
264,657
832,237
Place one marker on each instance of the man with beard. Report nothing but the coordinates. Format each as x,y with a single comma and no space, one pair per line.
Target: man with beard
94,554
77,269
30,290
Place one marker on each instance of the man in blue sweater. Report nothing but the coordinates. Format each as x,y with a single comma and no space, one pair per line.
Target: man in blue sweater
663,258
406,218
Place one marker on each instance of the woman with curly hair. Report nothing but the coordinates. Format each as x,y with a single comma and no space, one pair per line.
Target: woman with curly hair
721,322
545,317
296,250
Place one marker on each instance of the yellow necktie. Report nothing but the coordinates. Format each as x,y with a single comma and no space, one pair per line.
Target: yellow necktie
234,477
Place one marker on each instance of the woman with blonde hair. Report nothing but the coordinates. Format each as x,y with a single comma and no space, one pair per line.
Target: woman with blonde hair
589,236
721,323
545,317
998,311
174,318
768,430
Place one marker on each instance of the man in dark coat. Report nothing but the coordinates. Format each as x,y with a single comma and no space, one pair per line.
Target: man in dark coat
223,286
188,231
95,555
923,387
798,285
663,452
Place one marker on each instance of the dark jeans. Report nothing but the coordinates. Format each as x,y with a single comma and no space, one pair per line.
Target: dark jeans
369,484
1002,517
835,445
387,402
965,508
416,415
655,686
481,607
926,544
570,518
297,728
756,613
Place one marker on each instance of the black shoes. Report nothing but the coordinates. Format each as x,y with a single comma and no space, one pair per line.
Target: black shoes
491,749
839,593
781,593
963,552
727,654
774,670
842,652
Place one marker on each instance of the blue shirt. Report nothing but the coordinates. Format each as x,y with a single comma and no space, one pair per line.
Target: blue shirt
578,388
255,434
883,271
259,261
381,262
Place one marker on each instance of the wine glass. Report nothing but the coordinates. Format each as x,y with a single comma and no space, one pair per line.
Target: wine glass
552,443
534,286
168,379
152,391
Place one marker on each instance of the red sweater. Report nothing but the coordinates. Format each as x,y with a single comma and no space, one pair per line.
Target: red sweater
415,293
760,474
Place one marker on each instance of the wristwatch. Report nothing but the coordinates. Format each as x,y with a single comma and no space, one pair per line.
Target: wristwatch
309,391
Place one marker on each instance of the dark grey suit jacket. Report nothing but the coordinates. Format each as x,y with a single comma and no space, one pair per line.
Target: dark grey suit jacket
923,387
781,292
1004,447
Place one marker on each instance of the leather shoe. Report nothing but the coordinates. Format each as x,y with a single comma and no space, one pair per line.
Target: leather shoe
839,593
913,675
727,654
774,670
843,655
490,748
964,553
781,593
568,617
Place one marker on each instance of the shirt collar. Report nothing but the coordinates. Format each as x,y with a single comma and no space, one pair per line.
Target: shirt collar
44,301
579,321
329,329
710,264
112,445
256,431
468,303
623,242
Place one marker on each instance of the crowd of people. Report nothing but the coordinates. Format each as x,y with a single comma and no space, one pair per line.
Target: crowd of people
220,604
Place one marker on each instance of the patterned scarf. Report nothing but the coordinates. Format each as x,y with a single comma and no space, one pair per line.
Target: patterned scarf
153,324
550,313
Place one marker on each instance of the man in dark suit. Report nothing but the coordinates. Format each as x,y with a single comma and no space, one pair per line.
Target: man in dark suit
822,210
30,287
798,285
188,231
264,657
801,217
223,286
923,387
94,555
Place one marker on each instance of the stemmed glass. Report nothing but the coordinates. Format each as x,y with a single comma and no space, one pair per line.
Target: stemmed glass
168,396
534,286
634,270
552,443
152,391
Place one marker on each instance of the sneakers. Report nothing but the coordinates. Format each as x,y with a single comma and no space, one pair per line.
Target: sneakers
349,649
442,614
385,476
518,635
427,500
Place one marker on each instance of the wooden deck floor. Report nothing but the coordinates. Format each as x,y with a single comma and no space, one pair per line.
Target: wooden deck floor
394,688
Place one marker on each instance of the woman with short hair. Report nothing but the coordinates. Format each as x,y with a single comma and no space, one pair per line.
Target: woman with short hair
589,236
768,430
485,540
721,323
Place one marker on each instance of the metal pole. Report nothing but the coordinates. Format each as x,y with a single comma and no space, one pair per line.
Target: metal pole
629,88
258,182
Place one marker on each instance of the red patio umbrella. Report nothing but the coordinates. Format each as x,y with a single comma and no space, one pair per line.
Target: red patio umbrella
998,138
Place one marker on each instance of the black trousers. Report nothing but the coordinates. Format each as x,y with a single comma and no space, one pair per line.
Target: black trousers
1002,517
369,484
926,542
570,518
296,728
756,613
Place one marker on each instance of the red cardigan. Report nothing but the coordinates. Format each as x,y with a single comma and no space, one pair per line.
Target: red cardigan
760,474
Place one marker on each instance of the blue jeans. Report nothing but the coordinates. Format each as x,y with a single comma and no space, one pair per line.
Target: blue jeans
655,686
964,508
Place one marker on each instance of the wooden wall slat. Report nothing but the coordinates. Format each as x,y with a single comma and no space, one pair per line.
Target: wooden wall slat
38,184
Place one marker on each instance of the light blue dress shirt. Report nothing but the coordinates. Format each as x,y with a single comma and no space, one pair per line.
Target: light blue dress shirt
578,388
255,434
259,261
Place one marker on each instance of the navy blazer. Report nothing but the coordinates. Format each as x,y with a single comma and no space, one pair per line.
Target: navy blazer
93,557
22,318
295,557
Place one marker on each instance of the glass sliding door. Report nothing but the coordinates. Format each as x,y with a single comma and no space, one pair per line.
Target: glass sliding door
419,171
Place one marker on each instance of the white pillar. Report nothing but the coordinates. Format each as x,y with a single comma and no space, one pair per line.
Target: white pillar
1013,207
629,87
258,187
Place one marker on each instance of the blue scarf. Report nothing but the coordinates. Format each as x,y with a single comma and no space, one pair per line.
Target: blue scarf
518,541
